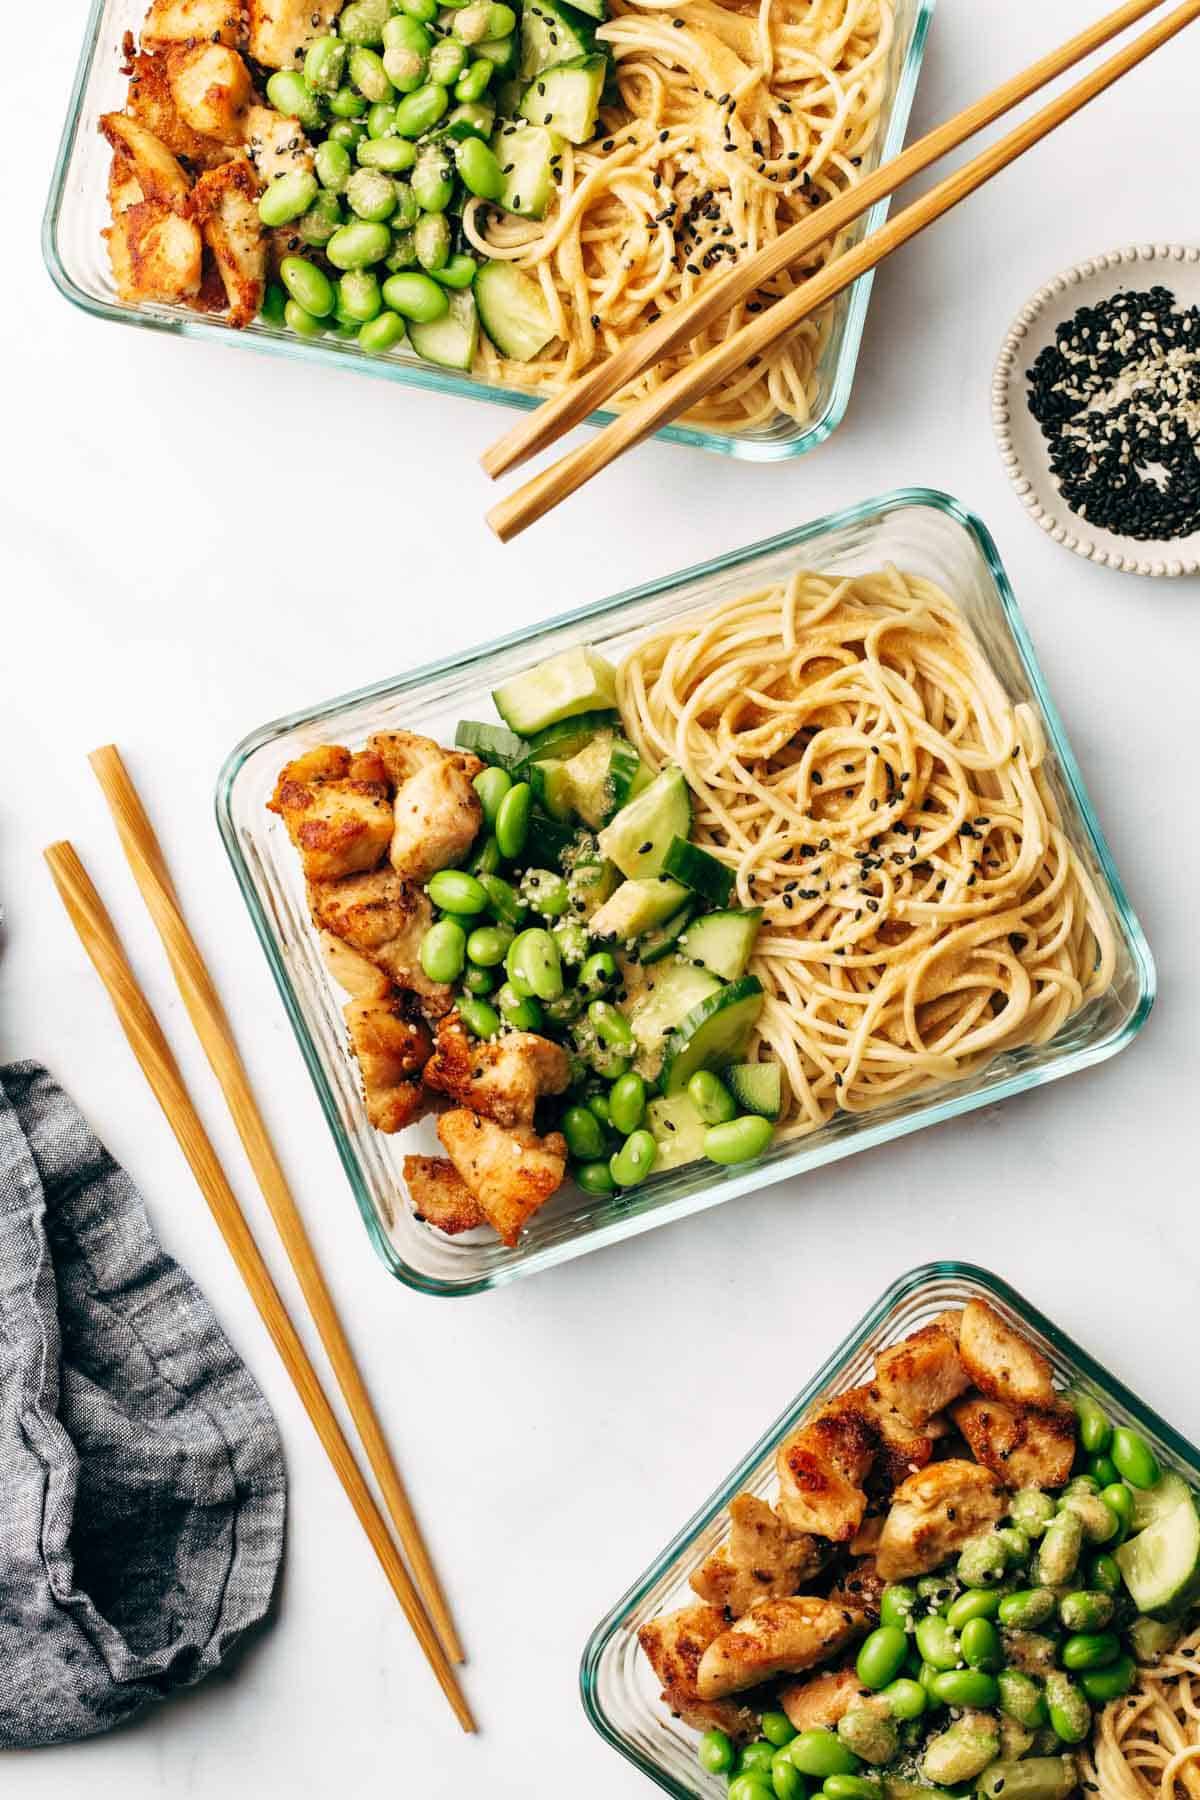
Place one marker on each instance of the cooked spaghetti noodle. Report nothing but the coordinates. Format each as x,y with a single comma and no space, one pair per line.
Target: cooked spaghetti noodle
854,758
734,121
1147,1746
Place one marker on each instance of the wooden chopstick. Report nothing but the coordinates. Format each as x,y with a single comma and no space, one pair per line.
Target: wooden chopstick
546,490
552,420
146,860
99,937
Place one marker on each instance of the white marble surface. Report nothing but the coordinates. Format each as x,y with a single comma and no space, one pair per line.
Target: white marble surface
173,572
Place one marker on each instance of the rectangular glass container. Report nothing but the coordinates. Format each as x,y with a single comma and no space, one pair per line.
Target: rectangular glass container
620,1693
77,211
923,532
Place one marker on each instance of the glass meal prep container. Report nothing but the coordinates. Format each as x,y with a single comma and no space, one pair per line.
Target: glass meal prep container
620,1692
918,530
77,211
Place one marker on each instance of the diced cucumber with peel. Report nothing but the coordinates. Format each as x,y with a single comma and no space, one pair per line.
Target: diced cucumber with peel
723,941
1152,1504
699,870
678,1130
588,782
715,1033
552,34
757,1087
525,154
568,736
578,681
512,311
669,998
566,98
664,939
450,341
590,884
638,836
1161,1565
551,787
636,907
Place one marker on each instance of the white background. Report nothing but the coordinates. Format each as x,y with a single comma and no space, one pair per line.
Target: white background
194,542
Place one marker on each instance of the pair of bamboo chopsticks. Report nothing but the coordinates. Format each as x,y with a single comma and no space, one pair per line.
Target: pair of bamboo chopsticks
538,430
420,1594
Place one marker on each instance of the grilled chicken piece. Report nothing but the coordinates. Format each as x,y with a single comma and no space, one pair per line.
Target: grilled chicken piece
821,1701
275,144
440,1196
762,1560
360,978
124,188
1023,1447
157,171
922,1375
503,1080
155,254
392,1048
211,88
280,30
153,104
860,1591
403,753
673,1646
1000,1362
933,1514
384,919
193,21
903,1449
437,816
340,824
510,1173
823,1466
778,1637
226,206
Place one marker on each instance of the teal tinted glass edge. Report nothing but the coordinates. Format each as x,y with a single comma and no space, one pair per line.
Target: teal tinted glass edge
1084,1366
463,387
728,1185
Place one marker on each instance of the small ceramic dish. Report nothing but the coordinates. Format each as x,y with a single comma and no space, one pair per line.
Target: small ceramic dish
1023,449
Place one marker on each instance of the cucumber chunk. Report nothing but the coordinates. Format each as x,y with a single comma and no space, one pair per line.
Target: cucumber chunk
1035,1778
700,871
566,98
595,9
757,1087
512,311
589,883
678,1130
716,1032
664,938
552,34
569,736
638,837
578,681
524,153
549,843
491,743
500,52
551,788
723,941
450,341
627,773
1152,1504
636,907
587,780
670,997
1161,1565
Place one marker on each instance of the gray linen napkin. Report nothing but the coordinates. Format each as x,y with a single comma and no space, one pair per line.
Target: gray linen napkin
142,1486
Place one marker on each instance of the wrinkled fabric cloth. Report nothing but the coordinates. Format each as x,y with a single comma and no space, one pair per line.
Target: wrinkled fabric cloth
142,1485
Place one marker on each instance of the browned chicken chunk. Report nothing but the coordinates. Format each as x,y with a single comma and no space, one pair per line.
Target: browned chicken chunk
823,1466
281,29
155,254
384,919
392,1048
860,1590
503,1080
903,1448
933,1514
1023,1447
275,144
1000,1362
226,201
674,1645
511,1173
440,1196
778,1637
821,1701
437,816
360,978
152,103
762,1560
922,1375
340,823
193,21
211,87
157,170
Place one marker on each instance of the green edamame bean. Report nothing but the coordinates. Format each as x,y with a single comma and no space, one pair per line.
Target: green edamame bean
758,1755
488,945
521,1011
612,1027
585,1140
598,972
534,966
1134,1458
981,1646
634,1160
600,1109
420,111
425,10
1016,1544
711,1098
513,812
572,940
390,155
459,272
406,69
1100,1524
503,899
541,889
332,165
367,73
1022,1699
381,121
755,1784
787,1782
454,891
346,104
1104,1574
1085,1611
1110,1683
1070,1714
881,1657
939,1646
433,179
1103,1471
447,60
290,94
274,301
907,1699
1058,1554
324,65
318,224
382,333
976,1603
444,951
358,245
871,1735
1090,1650
309,286
480,168
1095,1431
715,1752
304,324
778,1730
820,1753
414,296
346,132
404,32
359,298
478,981
850,1787
982,1562
738,1140
966,1687
627,1104
1032,1511
595,1178
491,785
342,326
287,197
371,195
362,21
1027,1610
937,1591
472,83
1119,1501
897,1605
480,1019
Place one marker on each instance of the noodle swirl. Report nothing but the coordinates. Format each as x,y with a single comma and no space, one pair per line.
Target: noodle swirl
1147,1746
